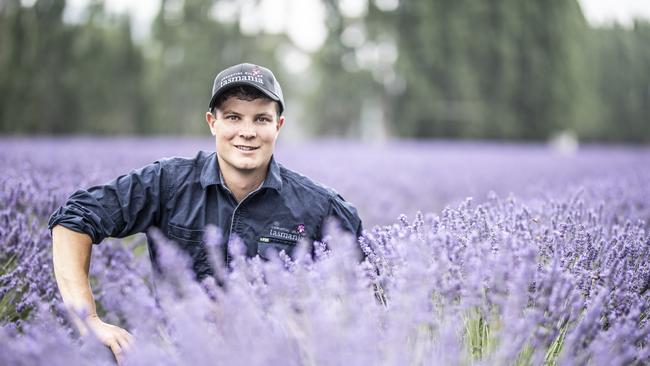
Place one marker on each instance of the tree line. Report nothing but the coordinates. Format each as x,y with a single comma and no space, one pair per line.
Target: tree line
494,69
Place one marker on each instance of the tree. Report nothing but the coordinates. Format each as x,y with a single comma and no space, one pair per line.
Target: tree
487,69
189,47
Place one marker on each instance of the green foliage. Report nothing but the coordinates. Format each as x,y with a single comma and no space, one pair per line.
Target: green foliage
479,337
556,347
64,78
336,86
495,69
464,69
525,356
8,300
7,310
621,61
187,50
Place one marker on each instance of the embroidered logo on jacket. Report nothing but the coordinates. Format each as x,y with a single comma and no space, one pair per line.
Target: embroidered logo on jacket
283,234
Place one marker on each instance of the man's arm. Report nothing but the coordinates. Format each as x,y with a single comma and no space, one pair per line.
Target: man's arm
124,206
71,257
348,219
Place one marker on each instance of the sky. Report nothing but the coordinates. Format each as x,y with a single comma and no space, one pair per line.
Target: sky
615,11
304,20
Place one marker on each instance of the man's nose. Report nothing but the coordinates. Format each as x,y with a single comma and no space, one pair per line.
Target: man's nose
247,131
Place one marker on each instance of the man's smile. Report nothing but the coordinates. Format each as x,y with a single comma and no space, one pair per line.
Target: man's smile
246,148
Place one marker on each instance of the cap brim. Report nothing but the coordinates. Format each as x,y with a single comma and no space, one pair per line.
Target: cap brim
248,83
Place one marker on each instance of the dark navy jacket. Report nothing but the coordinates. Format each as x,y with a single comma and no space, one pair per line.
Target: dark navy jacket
181,196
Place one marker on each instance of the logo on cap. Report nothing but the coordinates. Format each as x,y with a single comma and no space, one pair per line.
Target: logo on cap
238,76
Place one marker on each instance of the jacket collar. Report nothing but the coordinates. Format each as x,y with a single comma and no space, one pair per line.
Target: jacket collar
211,174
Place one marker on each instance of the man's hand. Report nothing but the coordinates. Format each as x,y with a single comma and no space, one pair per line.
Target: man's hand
71,257
116,338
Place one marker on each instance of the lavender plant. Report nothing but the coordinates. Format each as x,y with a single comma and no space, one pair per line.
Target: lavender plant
556,273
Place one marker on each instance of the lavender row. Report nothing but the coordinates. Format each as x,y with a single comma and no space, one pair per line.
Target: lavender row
557,272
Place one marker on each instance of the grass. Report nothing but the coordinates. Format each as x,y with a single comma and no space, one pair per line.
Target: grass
480,334
481,339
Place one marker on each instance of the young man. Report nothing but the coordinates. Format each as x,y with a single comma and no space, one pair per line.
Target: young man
241,189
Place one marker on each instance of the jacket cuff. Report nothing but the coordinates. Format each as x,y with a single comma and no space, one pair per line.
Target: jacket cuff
73,219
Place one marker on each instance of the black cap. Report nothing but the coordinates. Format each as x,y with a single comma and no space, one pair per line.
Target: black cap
256,76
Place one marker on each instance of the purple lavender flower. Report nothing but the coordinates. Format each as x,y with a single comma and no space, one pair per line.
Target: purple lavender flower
548,265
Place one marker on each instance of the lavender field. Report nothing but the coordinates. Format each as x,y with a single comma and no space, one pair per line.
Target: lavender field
476,254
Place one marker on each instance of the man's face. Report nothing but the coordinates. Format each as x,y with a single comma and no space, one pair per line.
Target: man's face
245,133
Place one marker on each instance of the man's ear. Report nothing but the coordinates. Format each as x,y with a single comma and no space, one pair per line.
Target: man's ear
280,123
210,120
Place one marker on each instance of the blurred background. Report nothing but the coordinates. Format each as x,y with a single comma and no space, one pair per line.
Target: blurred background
358,69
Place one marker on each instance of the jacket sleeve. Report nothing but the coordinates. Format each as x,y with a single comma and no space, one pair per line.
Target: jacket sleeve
122,207
346,214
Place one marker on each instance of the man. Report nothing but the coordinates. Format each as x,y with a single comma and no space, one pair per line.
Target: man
241,189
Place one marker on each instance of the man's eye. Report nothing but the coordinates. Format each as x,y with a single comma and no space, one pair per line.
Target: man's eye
232,117
263,119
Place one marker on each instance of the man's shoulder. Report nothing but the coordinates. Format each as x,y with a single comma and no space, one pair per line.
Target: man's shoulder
300,182
324,197
179,171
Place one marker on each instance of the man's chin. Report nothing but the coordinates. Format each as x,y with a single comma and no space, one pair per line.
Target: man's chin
247,167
